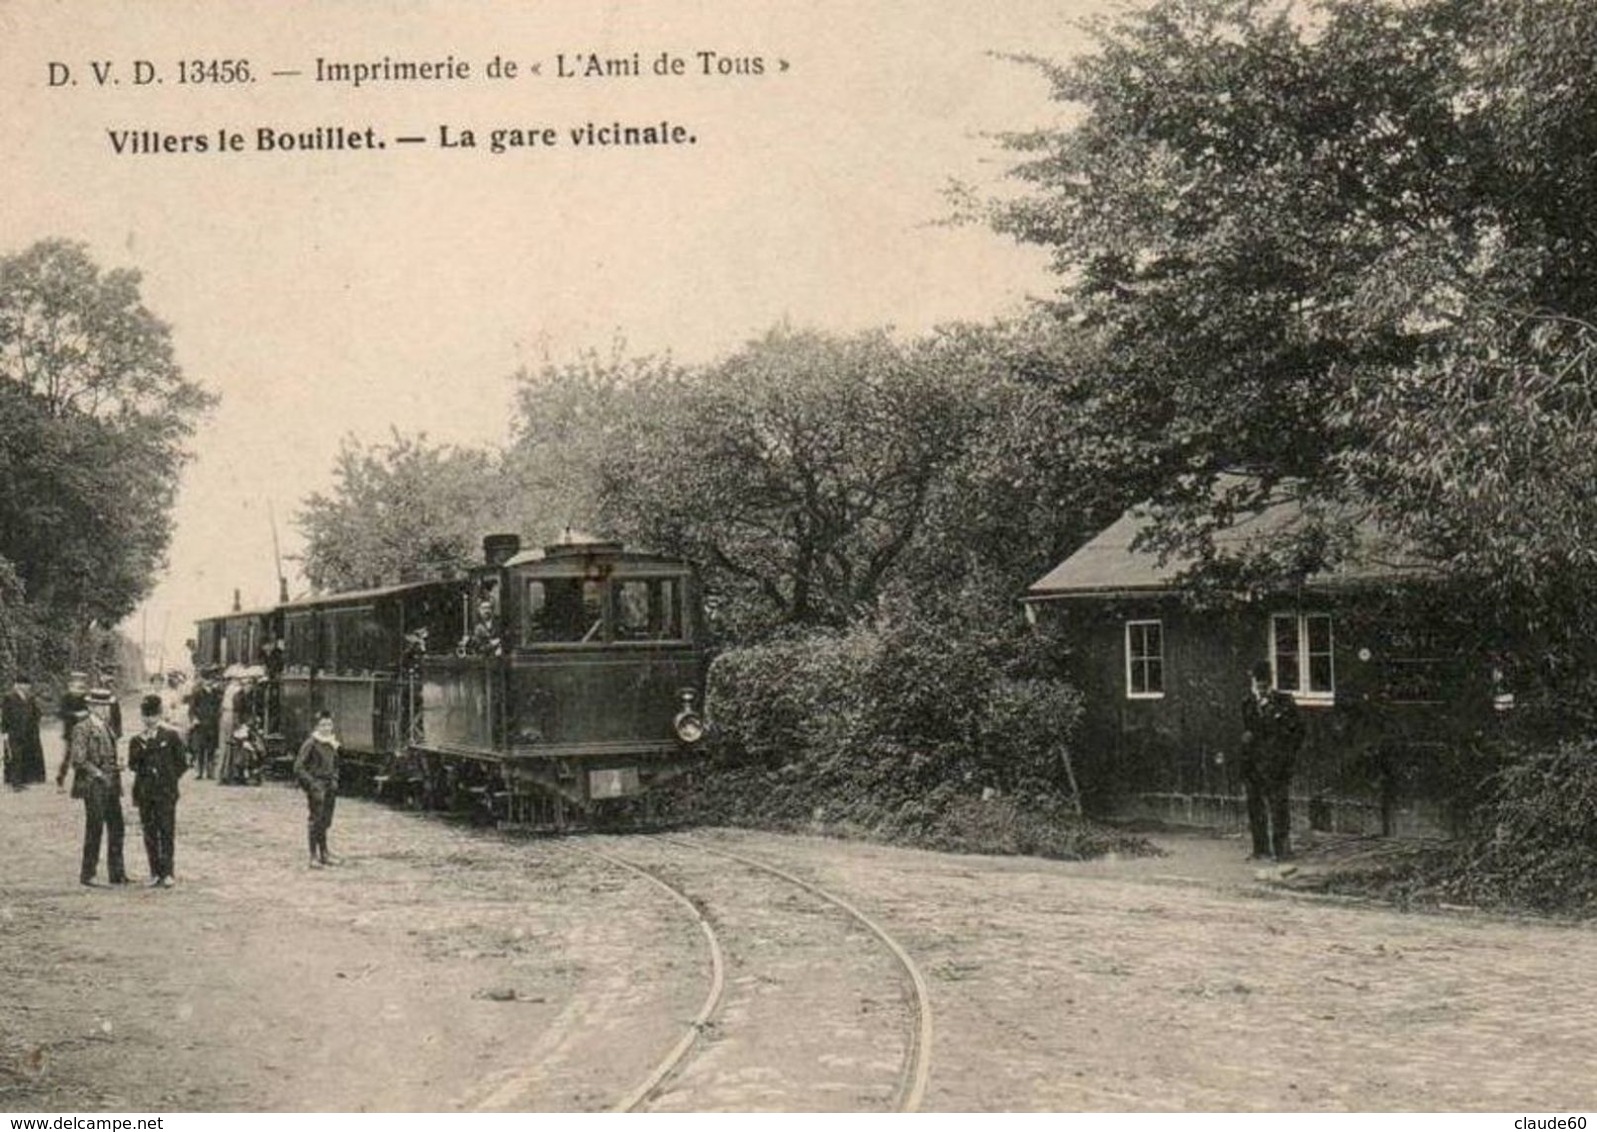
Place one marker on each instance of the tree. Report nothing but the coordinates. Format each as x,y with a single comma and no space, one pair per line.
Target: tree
570,418
401,510
94,416
797,471
815,476
1348,253
1218,212
1026,487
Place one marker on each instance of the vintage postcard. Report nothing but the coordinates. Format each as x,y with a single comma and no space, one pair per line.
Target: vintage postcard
742,766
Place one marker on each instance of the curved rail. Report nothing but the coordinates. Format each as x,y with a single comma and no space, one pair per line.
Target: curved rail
712,1000
917,1058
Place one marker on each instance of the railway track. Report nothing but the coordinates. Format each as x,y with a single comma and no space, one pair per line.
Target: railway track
712,999
696,895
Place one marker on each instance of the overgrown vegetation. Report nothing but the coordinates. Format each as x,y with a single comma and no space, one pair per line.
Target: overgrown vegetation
1531,846
900,732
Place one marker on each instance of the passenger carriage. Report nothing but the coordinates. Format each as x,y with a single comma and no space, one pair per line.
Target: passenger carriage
351,654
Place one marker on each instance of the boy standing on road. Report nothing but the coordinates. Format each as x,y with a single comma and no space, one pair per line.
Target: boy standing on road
316,770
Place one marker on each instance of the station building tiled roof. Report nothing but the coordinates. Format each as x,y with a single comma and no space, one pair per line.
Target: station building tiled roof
1111,564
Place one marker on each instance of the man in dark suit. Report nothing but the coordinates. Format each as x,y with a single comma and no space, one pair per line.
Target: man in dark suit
204,710
1271,735
19,724
157,759
97,779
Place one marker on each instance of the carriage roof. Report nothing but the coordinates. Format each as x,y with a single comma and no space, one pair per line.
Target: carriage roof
347,597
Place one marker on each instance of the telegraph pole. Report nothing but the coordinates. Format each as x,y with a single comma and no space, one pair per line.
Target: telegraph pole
277,556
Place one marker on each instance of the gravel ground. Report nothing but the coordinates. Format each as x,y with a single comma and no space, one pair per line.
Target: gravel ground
445,968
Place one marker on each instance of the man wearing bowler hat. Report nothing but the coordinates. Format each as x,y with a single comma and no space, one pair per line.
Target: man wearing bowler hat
157,759
97,779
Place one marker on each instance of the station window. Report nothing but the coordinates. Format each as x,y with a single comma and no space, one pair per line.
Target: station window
563,610
1301,655
1144,660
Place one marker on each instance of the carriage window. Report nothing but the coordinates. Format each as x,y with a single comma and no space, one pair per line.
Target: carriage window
564,610
205,648
355,640
299,650
632,611
329,644
241,641
648,609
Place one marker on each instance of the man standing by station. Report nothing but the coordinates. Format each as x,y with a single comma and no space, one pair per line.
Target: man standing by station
157,759
19,734
316,770
1272,732
97,779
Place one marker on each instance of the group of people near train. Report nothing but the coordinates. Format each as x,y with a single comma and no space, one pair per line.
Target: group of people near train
158,756
226,724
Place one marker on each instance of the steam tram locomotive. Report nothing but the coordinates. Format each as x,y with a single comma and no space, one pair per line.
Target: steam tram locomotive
546,688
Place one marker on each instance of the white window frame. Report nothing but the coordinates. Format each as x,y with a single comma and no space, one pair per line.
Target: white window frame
1132,661
1300,623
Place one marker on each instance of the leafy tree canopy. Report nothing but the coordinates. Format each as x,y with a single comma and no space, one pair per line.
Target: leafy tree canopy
816,478
800,470
94,417
402,509
1346,249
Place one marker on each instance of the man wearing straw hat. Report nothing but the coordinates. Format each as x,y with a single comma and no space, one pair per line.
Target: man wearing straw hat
97,779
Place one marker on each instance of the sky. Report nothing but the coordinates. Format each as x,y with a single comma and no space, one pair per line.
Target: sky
348,293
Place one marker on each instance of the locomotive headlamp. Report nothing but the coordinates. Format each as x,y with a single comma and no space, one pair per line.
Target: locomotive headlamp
688,724
689,727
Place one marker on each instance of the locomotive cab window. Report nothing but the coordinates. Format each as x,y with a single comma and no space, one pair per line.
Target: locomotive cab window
648,609
563,611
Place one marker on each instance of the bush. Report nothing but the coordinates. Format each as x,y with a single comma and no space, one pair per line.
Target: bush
909,733
1536,845
1531,845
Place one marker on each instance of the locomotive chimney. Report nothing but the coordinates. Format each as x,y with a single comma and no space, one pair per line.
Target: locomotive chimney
499,549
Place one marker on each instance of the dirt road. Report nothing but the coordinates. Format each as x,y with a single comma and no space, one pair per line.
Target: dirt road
446,968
